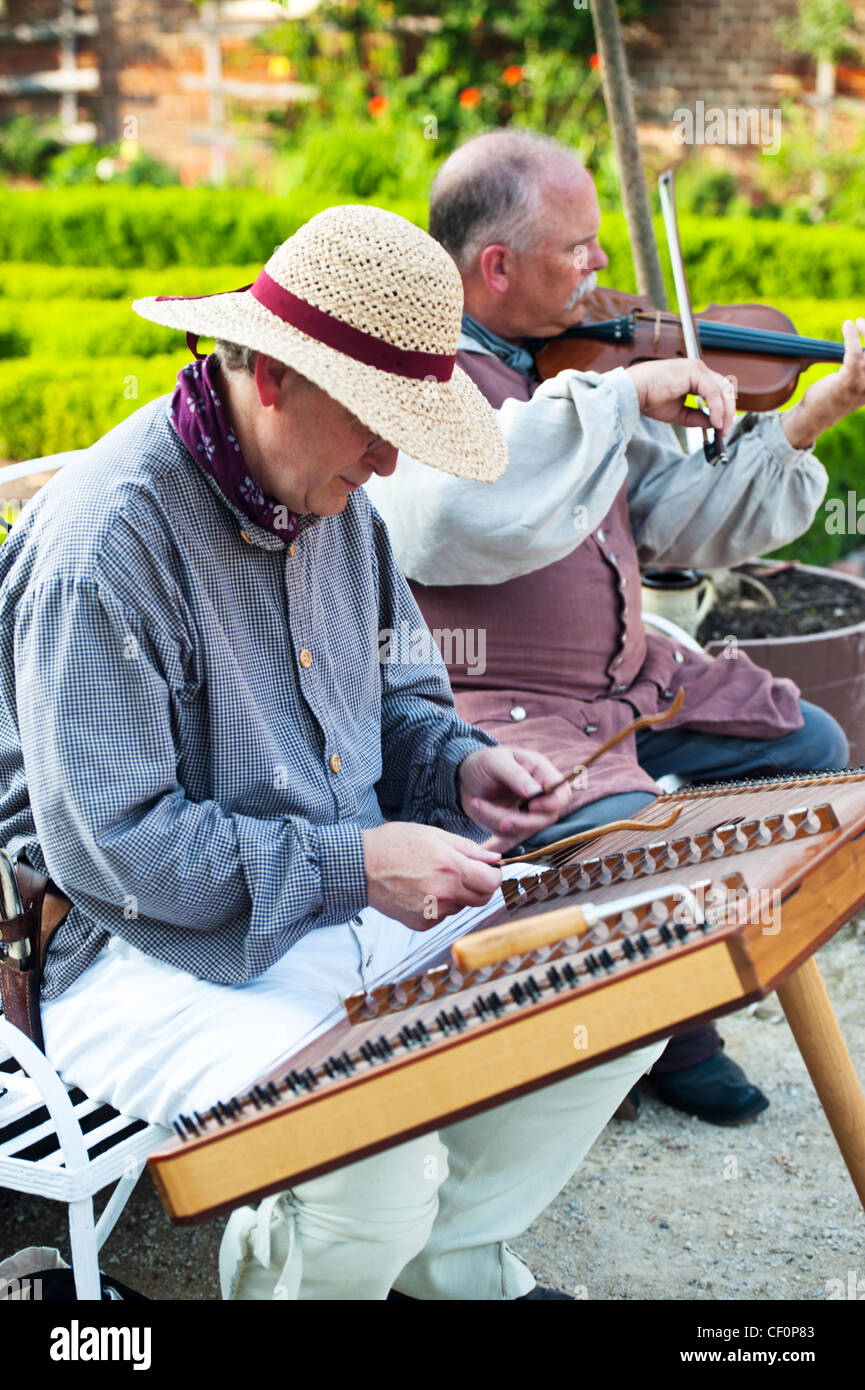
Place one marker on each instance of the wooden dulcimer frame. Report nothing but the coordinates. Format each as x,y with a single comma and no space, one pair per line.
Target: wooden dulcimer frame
775,867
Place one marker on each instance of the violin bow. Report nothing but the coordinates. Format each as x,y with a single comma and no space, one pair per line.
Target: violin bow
645,721
584,837
712,448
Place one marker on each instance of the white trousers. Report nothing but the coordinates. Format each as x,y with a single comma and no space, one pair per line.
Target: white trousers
431,1217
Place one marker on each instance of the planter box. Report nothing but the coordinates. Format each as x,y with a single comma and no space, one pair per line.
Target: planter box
828,667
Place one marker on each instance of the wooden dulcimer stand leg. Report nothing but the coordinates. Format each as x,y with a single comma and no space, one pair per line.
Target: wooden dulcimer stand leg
814,1026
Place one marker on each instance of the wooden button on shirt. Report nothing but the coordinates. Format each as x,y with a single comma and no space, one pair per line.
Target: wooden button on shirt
335,763
305,658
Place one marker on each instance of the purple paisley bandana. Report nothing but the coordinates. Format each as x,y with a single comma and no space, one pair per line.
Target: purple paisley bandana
198,416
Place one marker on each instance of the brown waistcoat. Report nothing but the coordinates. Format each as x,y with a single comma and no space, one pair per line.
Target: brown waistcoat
566,660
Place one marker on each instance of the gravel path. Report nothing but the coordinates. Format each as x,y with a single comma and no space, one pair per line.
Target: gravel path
664,1207
667,1207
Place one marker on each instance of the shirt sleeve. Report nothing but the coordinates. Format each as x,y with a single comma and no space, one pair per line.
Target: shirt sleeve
116,828
685,511
566,449
424,741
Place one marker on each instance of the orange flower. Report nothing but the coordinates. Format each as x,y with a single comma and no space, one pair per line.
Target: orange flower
377,106
470,97
595,62
512,75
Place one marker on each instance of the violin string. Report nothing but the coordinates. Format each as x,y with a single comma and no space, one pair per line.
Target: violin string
732,336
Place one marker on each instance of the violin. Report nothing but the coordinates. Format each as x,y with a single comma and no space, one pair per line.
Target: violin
755,343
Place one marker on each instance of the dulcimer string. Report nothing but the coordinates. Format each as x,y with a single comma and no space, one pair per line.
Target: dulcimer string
430,945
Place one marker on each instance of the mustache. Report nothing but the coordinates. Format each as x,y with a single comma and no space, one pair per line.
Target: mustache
583,288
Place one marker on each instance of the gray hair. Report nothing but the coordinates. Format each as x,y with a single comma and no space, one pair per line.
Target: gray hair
490,189
235,358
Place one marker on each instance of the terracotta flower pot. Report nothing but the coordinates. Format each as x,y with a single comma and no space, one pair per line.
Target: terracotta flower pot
828,667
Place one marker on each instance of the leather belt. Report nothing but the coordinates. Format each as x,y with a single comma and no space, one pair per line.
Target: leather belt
33,909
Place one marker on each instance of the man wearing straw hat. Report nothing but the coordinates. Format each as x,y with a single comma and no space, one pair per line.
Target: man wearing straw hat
249,814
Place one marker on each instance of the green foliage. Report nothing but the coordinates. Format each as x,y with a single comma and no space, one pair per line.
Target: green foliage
83,328
128,228
781,186
75,166
14,341
29,281
26,147
49,405
705,191
122,163
784,183
446,72
823,28
32,149
346,161
735,260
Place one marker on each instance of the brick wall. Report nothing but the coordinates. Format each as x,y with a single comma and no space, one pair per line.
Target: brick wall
143,51
725,54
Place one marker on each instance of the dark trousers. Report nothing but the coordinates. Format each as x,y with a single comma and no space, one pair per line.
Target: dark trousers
820,743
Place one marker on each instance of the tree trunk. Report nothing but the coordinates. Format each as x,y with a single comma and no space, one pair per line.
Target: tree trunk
623,124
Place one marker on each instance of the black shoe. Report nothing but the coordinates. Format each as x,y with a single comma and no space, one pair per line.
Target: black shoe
538,1292
630,1106
716,1090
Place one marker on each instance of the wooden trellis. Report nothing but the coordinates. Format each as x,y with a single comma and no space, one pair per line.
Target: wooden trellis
67,80
236,19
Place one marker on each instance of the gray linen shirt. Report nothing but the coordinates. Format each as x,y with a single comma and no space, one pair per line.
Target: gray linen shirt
570,449
195,723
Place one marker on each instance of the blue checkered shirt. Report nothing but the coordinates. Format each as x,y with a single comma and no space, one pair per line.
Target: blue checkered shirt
195,723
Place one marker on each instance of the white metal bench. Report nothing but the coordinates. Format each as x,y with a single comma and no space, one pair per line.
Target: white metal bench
56,1143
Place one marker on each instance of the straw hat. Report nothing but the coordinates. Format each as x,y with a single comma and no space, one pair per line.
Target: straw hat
368,307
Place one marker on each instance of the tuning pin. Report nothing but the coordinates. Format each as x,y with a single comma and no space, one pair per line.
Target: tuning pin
659,911
629,921
640,860
786,829
619,866
762,834
733,838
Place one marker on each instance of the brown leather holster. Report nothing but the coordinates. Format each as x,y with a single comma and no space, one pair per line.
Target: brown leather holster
44,908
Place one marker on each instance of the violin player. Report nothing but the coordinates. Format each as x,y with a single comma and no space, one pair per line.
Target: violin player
547,563
247,815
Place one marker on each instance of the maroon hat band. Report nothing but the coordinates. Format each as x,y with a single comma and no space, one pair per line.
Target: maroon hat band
334,333
354,342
